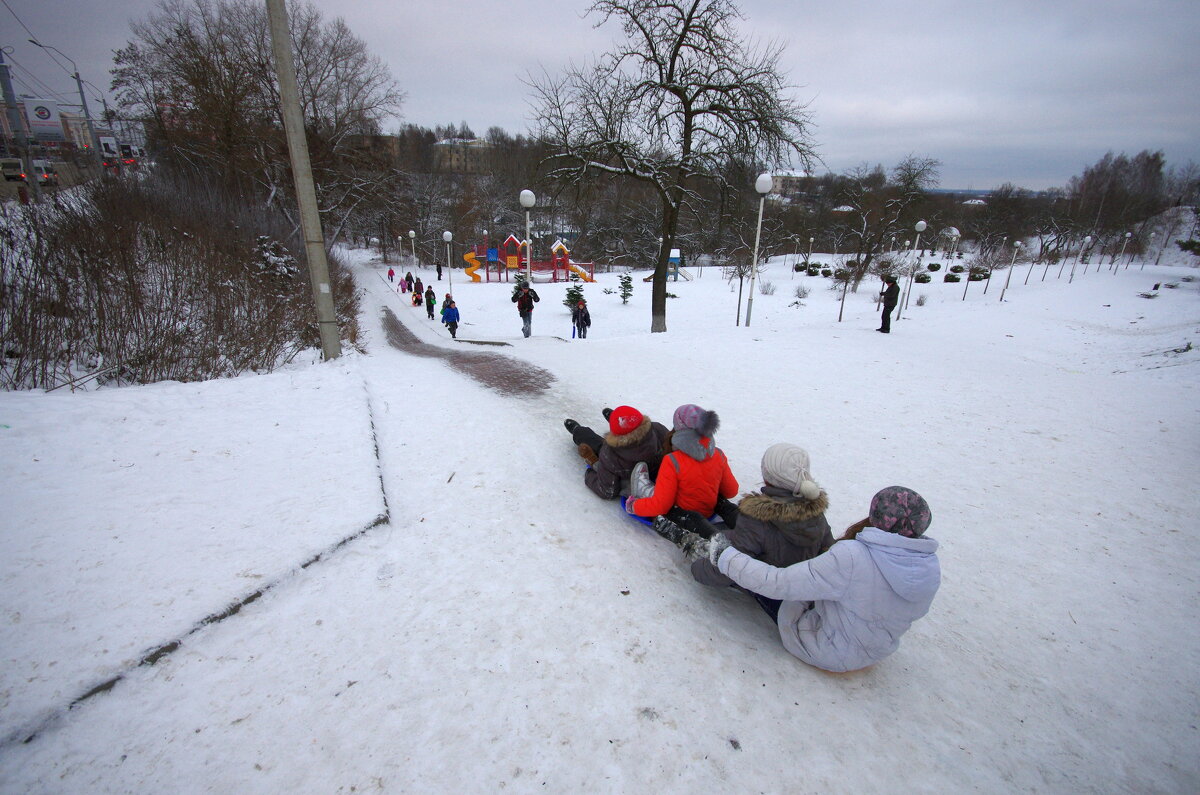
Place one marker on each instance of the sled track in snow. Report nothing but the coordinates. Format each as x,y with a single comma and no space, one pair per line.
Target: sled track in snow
506,375
52,717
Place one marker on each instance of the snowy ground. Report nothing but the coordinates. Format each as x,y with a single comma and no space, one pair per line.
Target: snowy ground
503,629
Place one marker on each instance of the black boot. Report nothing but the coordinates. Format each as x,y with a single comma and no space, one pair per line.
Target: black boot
570,425
606,412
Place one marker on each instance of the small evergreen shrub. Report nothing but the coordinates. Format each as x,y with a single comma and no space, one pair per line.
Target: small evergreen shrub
952,277
956,269
922,278
934,266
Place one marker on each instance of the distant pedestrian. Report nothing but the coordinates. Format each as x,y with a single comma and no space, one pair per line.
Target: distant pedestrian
582,318
525,298
391,275
891,296
418,288
450,318
430,301
439,270
408,282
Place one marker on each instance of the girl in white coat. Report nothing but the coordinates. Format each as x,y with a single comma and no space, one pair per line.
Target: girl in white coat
847,608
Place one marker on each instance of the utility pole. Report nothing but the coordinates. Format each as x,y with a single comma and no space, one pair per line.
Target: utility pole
17,125
87,115
306,195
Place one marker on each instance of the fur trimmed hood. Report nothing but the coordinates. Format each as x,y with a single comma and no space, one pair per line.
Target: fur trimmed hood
631,439
781,510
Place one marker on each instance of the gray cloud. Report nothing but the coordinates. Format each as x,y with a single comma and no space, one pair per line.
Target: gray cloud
1009,90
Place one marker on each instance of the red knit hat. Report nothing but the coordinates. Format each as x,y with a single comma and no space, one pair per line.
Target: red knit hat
623,420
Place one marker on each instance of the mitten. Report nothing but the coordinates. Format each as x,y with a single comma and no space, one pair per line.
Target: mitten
588,454
716,545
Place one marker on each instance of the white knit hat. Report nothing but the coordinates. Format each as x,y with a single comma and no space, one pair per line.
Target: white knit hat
786,466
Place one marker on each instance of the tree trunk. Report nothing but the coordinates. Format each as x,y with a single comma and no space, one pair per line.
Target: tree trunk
658,295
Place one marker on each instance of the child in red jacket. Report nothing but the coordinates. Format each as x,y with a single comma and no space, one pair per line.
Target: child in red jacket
692,478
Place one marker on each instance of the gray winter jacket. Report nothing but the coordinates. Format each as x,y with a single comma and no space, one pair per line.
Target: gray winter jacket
846,609
776,529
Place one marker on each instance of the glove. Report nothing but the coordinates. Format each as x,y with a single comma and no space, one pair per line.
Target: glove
588,454
629,501
716,545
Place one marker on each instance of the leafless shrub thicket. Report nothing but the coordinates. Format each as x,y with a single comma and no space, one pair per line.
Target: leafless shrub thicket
152,280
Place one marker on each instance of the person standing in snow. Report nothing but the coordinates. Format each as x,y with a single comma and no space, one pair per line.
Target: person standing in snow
632,437
391,274
408,282
691,479
430,301
847,608
582,319
450,318
782,525
525,297
891,296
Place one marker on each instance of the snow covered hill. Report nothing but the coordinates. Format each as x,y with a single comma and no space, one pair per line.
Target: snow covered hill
502,629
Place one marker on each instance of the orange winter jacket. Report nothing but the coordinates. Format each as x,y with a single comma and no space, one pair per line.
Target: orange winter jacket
691,484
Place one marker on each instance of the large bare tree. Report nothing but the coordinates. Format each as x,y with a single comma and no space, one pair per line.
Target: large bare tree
680,97
200,74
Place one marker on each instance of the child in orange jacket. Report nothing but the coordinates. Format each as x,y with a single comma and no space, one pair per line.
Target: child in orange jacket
693,477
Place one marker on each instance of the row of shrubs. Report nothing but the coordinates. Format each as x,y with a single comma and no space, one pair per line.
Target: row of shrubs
977,273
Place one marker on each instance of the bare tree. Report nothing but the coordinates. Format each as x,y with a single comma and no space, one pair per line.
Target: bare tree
200,74
682,95
876,206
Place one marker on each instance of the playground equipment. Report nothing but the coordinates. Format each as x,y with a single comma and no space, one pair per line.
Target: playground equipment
673,269
498,261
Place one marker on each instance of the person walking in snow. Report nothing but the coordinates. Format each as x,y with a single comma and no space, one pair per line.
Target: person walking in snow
408,282
525,297
632,437
450,318
430,301
582,318
891,296
391,274
417,298
847,608
691,479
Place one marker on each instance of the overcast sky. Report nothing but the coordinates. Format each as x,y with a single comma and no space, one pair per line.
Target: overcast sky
1022,91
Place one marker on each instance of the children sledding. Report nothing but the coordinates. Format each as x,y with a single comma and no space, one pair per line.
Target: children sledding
838,605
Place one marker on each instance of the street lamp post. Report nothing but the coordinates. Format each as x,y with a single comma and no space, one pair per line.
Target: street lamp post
449,271
527,201
412,238
1011,265
763,186
1087,241
87,115
1117,259
918,227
